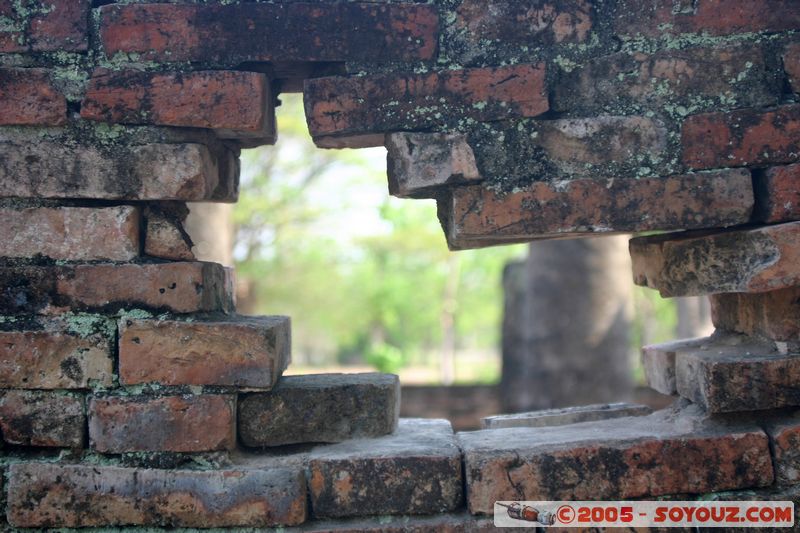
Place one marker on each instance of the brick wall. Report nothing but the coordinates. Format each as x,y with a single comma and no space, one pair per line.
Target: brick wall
132,394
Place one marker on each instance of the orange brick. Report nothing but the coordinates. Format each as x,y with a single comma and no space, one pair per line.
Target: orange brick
746,137
774,315
235,104
777,191
189,423
55,25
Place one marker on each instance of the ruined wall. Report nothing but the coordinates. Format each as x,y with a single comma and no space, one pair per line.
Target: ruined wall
133,395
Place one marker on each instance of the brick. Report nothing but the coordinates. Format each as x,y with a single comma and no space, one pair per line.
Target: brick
693,78
382,476
188,423
299,32
658,361
420,162
711,17
33,168
514,154
176,287
695,264
321,408
732,373
354,112
784,435
42,419
791,64
445,523
477,216
106,496
56,354
774,315
234,104
565,415
28,98
249,352
664,453
166,238
56,25
775,494
777,194
747,137
71,233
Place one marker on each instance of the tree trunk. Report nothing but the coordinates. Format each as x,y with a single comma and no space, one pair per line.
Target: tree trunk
567,325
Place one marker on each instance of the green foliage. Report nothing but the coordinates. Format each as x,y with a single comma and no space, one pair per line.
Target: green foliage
363,276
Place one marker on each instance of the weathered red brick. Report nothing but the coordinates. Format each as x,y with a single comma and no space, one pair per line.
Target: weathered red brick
107,496
417,163
57,354
784,434
791,64
565,415
712,17
523,23
443,523
189,423
777,192
28,98
698,263
774,315
382,476
33,167
476,216
165,236
356,111
232,34
249,352
747,137
177,287
664,453
42,418
333,408
55,25
234,104
72,233
675,80
732,373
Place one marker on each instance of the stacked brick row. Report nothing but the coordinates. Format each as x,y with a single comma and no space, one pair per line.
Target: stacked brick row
133,395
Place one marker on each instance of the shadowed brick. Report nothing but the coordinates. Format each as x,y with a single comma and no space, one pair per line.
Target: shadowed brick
658,361
55,354
354,112
695,264
177,287
45,169
419,162
777,191
711,17
104,496
249,352
55,25
71,233
693,78
166,238
189,423
773,315
28,98
42,418
416,470
476,216
791,64
565,415
234,104
295,31
784,434
734,373
664,453
320,408
746,137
